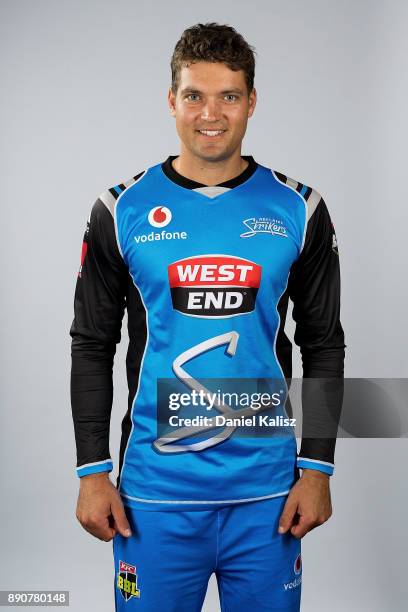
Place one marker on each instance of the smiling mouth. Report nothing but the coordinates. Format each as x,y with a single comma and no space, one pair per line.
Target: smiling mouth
211,133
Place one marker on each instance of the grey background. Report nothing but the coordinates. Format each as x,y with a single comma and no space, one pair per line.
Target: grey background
84,107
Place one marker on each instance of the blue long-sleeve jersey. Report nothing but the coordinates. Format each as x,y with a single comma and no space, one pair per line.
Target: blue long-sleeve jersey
205,274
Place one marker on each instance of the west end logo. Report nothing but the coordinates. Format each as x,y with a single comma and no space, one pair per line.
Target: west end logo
214,286
264,225
127,581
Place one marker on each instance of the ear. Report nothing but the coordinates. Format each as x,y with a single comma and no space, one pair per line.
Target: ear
171,99
252,102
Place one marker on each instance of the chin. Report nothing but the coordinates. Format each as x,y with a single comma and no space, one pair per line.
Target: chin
213,154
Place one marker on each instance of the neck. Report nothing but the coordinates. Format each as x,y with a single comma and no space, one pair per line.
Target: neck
209,172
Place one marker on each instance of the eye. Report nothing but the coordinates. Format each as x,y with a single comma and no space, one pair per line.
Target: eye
232,97
193,97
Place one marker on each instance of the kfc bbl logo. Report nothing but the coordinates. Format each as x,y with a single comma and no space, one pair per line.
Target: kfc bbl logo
127,581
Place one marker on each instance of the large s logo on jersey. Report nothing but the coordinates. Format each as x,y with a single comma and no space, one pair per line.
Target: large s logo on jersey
216,286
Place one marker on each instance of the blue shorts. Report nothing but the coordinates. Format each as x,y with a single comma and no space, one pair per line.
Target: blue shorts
168,560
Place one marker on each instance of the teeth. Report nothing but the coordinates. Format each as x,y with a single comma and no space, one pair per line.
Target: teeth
211,132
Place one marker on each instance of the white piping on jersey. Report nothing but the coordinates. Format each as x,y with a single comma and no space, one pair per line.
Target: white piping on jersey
115,220
111,204
193,501
108,199
308,213
80,467
310,205
274,344
290,186
312,201
293,184
315,461
138,380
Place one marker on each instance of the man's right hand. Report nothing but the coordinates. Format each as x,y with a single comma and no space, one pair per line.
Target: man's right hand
100,509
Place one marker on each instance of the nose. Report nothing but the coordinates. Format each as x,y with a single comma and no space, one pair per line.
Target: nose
210,111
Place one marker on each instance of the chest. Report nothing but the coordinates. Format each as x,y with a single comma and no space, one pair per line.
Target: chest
209,252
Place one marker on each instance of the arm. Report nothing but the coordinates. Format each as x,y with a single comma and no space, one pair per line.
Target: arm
314,287
99,304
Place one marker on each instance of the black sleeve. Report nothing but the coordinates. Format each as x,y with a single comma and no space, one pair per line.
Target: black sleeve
314,288
99,304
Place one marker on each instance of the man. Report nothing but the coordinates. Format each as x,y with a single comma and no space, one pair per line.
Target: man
204,250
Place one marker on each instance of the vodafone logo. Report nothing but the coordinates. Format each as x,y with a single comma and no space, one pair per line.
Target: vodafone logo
160,216
297,566
214,286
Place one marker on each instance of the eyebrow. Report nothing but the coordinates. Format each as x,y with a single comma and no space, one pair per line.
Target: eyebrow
224,92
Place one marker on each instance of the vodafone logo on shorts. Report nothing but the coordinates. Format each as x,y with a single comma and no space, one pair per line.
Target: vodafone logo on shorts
214,286
297,566
159,216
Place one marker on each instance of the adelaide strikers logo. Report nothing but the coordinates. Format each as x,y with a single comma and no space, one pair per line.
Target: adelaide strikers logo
127,581
264,225
160,216
297,566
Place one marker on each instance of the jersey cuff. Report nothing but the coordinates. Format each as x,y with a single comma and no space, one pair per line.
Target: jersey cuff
94,468
315,464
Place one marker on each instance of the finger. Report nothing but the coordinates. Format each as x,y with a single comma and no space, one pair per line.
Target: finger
114,526
99,528
120,522
101,534
287,516
302,527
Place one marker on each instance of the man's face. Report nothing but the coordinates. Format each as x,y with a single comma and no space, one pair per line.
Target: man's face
211,108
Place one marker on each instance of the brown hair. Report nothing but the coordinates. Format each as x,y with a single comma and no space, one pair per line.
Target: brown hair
212,42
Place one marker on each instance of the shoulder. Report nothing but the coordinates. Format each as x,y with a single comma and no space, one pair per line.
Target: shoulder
319,228
311,197
107,199
101,219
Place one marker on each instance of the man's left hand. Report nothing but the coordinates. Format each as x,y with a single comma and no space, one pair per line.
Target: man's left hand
308,504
